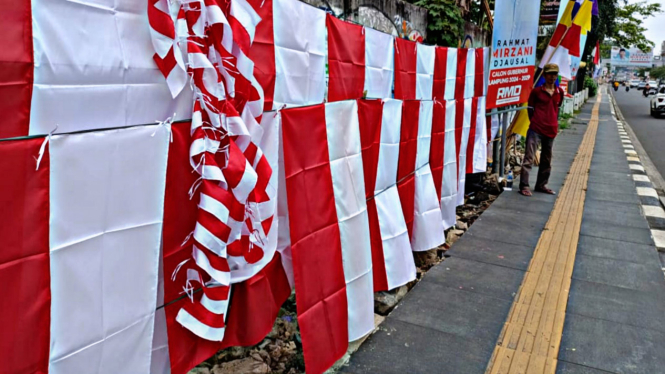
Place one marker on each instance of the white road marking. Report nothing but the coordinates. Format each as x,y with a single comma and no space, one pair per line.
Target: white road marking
636,167
647,191
631,152
631,158
658,238
640,178
653,211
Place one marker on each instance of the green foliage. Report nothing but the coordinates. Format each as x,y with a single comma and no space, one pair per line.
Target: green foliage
629,29
658,73
445,24
477,14
591,85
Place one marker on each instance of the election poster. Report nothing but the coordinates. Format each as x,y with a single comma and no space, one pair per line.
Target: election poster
621,56
512,65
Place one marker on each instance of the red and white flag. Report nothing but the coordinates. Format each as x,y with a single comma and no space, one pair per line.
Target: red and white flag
463,111
443,159
476,152
392,261
95,212
445,73
55,74
414,70
425,71
359,59
329,228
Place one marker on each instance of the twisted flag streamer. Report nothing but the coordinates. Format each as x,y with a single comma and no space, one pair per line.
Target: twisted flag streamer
208,41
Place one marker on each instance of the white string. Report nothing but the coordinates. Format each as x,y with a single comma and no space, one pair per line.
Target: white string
42,149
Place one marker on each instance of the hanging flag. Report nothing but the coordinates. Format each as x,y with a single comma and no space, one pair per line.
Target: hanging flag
476,152
380,63
445,73
329,226
392,261
596,53
462,129
424,71
575,21
427,224
406,61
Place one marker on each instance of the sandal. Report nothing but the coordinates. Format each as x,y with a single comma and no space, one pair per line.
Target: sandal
525,192
545,190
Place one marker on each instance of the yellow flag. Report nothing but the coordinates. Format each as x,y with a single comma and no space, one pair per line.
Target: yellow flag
522,122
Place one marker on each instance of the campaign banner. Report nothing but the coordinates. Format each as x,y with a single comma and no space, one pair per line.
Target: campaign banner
513,60
631,57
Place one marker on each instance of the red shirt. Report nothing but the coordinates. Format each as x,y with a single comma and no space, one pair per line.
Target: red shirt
545,117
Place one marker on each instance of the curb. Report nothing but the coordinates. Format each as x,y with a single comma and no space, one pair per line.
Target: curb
644,177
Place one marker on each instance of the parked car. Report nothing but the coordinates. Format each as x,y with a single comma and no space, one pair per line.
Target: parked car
658,103
641,85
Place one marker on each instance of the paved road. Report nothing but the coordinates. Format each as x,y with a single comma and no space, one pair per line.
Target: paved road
649,131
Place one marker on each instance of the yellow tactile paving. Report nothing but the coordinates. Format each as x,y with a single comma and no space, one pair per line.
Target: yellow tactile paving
530,339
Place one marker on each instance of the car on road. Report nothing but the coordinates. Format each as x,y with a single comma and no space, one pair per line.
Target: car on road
641,85
658,103
634,83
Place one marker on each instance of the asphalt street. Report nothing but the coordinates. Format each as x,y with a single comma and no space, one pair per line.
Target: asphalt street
649,131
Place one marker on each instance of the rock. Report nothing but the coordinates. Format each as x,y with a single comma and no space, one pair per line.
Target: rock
426,259
385,301
199,370
492,185
244,365
459,225
453,235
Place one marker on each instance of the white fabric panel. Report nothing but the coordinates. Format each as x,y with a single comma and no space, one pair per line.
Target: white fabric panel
160,361
449,187
425,71
480,140
470,81
107,206
379,64
486,68
300,53
427,223
462,152
451,73
559,56
400,266
269,144
283,233
94,68
346,168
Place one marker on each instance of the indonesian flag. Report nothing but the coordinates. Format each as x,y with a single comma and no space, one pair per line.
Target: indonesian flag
101,75
463,116
415,184
359,59
414,70
443,159
81,254
392,261
476,152
445,73
329,227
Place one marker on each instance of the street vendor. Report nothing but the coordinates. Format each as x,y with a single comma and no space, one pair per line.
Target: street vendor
544,104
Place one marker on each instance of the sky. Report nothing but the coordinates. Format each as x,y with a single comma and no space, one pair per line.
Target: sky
655,25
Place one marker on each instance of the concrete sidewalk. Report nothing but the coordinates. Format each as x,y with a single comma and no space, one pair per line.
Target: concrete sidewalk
451,321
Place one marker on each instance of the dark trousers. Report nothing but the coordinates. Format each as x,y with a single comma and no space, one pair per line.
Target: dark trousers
545,165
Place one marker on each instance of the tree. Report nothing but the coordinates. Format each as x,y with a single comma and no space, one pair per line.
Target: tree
445,22
658,73
628,30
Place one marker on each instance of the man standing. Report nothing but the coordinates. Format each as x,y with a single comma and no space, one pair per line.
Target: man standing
544,103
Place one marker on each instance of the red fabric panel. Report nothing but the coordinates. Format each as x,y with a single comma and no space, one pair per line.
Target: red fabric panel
262,52
405,69
459,128
254,303
346,59
316,246
408,147
479,80
25,305
460,79
440,67
16,67
370,115
437,147
488,127
472,136
572,40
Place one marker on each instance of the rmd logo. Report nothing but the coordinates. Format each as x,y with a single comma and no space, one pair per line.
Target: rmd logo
504,92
